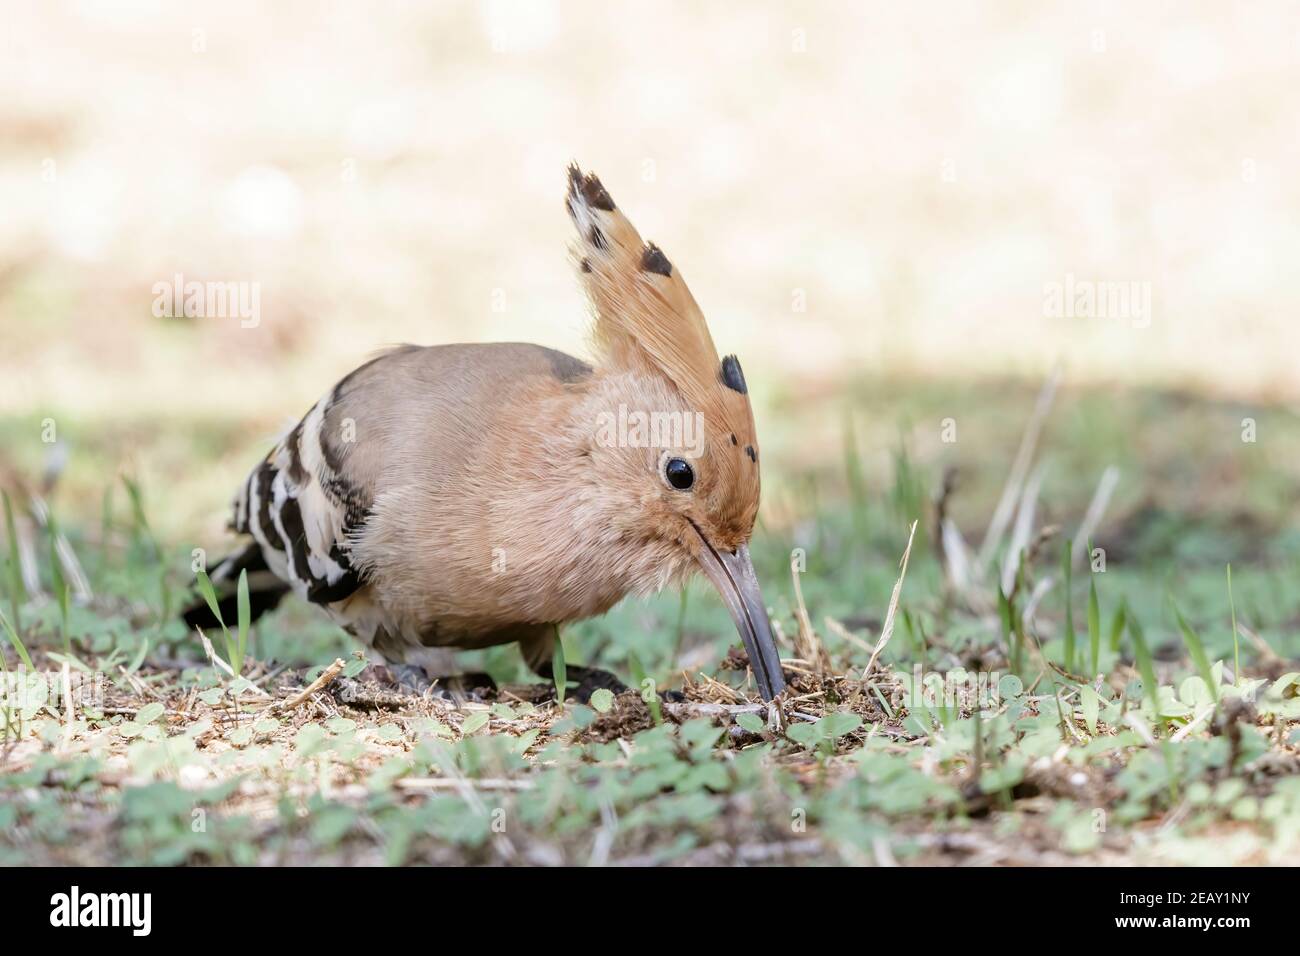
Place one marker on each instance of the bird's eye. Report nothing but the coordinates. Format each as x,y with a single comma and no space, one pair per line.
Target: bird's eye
679,474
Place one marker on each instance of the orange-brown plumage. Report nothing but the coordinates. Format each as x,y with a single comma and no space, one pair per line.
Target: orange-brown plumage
468,495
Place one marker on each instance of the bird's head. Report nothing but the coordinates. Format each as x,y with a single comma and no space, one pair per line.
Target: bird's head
672,426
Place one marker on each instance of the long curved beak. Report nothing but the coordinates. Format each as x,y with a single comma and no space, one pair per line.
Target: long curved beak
732,573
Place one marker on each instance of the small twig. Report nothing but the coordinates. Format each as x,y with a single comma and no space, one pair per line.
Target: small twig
765,852
680,710
320,683
132,711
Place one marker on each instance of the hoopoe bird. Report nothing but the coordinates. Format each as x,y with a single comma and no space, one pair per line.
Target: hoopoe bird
465,496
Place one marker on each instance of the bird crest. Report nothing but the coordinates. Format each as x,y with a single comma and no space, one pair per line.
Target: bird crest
646,320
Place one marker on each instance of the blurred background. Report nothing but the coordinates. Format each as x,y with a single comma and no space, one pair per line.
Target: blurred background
875,205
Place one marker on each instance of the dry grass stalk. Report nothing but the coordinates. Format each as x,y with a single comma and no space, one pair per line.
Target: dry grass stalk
1023,531
1093,515
714,691
957,560
842,632
1019,469
807,645
72,570
213,659
887,630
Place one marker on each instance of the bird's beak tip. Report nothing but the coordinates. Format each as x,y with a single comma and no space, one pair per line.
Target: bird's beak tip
732,573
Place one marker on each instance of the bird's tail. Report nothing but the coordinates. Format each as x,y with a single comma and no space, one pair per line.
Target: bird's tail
265,590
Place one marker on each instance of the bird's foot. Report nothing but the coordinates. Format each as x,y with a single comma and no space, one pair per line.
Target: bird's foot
405,677
472,686
412,679
590,680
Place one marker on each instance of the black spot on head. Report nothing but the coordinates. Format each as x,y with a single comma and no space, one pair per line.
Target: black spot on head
753,455
589,186
732,376
733,440
597,238
654,260
585,265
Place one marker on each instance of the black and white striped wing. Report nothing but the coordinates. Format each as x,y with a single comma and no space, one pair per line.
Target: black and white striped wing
303,510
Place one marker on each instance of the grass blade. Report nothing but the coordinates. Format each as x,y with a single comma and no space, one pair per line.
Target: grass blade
59,583
1067,547
245,619
559,671
8,712
210,596
1094,628
17,593
1197,650
106,515
1236,649
16,641
65,598
140,529
1008,632
1117,622
1147,668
